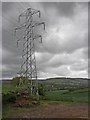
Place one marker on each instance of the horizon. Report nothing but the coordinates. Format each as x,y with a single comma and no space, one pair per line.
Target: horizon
49,78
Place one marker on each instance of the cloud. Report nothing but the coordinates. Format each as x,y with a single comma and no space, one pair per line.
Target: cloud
64,51
63,8
68,34
79,74
80,65
63,64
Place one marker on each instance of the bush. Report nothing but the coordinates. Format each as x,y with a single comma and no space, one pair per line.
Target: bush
41,90
20,81
15,81
72,89
8,98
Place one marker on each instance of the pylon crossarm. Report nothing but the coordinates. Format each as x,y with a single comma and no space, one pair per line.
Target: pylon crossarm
21,26
37,24
22,15
19,41
19,38
15,34
36,12
33,11
38,36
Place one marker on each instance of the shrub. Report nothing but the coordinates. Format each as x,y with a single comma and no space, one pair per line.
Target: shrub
41,90
15,81
72,89
8,98
20,81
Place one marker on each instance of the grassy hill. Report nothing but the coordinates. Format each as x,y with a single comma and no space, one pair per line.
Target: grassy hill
65,83
58,83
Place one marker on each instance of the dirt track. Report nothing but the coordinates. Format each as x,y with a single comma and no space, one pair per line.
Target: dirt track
70,110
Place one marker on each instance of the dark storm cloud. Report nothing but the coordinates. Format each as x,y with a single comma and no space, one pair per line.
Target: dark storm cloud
12,60
7,6
57,60
8,41
64,8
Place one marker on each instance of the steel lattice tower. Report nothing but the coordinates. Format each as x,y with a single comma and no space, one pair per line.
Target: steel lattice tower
28,66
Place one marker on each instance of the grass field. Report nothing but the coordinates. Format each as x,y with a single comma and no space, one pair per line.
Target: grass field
79,95
64,95
6,88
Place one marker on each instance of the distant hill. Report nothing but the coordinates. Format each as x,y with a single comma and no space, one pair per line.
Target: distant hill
56,80
63,79
58,83
67,78
62,82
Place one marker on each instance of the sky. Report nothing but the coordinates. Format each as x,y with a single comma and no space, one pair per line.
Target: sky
64,50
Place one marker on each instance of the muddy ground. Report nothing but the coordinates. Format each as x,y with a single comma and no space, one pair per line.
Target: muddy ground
61,110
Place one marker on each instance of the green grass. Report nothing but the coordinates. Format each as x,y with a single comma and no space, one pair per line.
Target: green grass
51,97
6,88
80,95
8,111
0,88
64,95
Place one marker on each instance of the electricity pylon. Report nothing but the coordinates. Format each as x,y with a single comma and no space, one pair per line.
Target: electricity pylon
28,66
